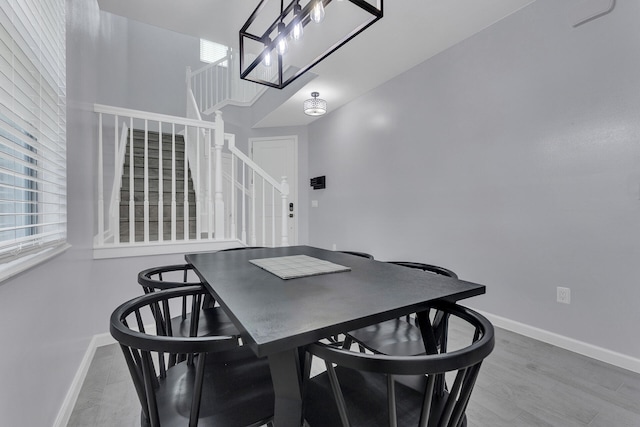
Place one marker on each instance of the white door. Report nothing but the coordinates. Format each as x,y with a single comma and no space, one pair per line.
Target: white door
278,156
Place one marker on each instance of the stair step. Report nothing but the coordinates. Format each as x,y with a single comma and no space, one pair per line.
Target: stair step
138,183
138,198
153,159
138,174
138,134
153,162
153,211
152,153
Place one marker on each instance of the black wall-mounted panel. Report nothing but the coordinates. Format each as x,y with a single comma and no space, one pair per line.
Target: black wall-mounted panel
318,182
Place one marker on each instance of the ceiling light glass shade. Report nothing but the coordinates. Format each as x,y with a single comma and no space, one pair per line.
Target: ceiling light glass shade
343,21
298,28
314,106
317,12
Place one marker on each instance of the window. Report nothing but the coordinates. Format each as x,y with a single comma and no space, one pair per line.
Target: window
212,52
33,215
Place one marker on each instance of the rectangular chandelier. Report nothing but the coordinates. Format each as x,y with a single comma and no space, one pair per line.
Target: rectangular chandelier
280,41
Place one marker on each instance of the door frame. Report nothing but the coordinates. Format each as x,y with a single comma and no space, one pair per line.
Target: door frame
294,142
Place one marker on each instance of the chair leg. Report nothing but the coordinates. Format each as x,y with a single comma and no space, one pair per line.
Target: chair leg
346,344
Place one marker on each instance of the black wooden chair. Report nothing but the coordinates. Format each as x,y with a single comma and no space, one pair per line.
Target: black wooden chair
360,254
218,383
212,321
241,248
401,336
363,389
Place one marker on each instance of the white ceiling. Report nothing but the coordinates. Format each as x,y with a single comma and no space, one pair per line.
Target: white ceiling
410,32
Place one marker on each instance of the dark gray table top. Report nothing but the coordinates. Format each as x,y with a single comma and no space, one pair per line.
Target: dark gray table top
276,315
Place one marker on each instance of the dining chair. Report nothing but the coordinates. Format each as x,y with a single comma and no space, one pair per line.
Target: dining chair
240,248
360,254
212,321
218,384
364,389
400,336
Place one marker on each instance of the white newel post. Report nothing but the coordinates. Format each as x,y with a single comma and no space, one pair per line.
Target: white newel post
219,201
285,213
254,236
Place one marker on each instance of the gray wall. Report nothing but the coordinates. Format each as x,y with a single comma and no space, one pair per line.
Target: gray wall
144,67
512,158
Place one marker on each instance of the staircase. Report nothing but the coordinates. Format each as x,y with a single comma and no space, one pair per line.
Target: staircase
153,191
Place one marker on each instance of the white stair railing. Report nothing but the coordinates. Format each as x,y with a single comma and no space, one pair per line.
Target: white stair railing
147,127
218,84
243,210
250,187
254,200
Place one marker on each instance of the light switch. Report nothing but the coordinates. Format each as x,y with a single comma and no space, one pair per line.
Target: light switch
314,203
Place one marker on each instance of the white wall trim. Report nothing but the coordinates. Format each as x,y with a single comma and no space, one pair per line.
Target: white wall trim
599,353
161,248
70,399
72,394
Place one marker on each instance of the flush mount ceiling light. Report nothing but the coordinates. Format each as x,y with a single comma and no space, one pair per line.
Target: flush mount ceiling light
280,42
314,106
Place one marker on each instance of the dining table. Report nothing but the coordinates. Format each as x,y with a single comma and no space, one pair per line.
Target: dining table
279,312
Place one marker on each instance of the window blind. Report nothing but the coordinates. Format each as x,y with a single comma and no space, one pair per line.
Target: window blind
211,52
33,207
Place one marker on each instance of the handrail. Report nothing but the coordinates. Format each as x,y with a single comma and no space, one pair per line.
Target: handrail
145,115
214,86
209,66
236,151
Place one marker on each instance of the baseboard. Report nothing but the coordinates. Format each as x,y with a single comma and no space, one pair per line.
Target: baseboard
72,394
580,347
70,399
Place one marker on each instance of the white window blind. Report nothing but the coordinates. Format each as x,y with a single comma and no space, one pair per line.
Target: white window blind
211,52
33,207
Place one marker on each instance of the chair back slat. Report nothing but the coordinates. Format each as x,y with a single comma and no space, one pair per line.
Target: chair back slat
139,322
197,391
469,383
452,399
135,370
425,412
391,401
148,373
337,393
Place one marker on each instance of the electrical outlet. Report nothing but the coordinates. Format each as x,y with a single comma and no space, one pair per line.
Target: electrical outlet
564,295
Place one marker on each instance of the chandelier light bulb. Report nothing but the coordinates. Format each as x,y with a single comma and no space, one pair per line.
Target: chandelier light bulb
266,56
297,28
317,13
297,31
282,43
266,60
